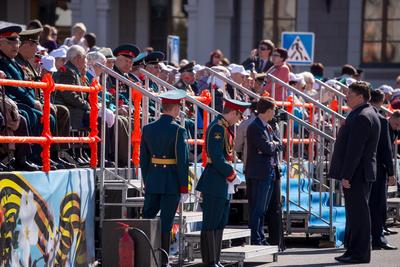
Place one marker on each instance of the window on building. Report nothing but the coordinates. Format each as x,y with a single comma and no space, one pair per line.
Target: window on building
272,17
381,32
168,18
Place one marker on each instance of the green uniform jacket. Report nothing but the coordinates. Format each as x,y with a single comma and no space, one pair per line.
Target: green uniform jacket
13,71
214,178
164,139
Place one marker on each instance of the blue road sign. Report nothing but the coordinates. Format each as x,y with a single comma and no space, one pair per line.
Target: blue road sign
300,47
173,49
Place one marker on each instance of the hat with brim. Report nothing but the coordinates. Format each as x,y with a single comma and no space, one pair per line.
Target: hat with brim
198,67
173,97
58,53
10,32
31,35
154,57
188,67
236,105
139,60
387,89
108,53
127,50
235,68
48,63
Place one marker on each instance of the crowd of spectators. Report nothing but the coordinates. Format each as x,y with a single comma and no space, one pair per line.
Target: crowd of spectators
29,54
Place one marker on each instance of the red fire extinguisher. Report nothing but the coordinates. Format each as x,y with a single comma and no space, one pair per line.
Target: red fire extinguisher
126,249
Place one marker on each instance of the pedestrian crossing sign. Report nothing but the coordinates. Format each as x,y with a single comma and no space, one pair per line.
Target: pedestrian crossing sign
300,47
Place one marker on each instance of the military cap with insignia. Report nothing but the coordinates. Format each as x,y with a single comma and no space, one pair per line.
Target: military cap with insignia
127,50
154,57
236,105
188,67
10,32
139,60
172,96
31,35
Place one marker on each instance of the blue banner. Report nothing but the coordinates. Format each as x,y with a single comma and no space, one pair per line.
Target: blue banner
47,219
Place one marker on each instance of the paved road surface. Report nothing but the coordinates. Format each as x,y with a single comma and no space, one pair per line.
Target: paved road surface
306,253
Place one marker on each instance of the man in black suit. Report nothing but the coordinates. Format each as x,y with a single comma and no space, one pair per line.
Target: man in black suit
385,174
354,163
260,59
262,150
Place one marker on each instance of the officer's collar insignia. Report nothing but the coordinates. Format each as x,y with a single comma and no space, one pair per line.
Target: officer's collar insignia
224,122
217,136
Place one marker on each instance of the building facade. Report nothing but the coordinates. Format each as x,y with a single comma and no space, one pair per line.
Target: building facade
364,33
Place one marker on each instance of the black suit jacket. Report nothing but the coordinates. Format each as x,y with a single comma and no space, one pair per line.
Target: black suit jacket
257,64
354,156
261,150
384,153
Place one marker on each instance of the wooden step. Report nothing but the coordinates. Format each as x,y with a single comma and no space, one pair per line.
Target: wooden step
242,253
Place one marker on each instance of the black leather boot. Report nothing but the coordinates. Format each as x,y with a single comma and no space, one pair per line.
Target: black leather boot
218,246
211,249
203,247
165,243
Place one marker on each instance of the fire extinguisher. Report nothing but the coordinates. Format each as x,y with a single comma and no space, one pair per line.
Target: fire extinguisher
126,249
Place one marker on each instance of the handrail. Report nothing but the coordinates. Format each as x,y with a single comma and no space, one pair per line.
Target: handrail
305,96
233,83
129,82
308,126
48,86
330,88
171,87
386,110
382,107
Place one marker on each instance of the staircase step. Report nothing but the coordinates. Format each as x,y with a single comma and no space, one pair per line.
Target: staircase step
189,217
135,202
118,184
242,253
229,234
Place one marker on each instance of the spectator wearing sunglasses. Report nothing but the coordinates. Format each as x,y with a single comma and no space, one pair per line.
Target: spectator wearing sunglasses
280,70
260,59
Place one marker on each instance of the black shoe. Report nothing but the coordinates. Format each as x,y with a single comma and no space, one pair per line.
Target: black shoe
4,168
61,164
109,164
26,166
384,247
340,257
67,164
82,161
389,231
350,260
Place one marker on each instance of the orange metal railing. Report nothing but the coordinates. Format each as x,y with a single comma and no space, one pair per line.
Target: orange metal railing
46,139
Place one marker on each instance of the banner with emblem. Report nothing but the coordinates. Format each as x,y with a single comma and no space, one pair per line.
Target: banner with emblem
47,219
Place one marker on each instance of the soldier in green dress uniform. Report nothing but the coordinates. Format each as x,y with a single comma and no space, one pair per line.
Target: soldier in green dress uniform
215,179
164,164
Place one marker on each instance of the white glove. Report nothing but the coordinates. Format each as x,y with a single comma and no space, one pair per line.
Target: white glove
184,197
110,117
231,185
